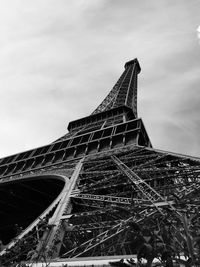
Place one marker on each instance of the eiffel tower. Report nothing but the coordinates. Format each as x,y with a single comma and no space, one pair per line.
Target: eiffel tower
99,190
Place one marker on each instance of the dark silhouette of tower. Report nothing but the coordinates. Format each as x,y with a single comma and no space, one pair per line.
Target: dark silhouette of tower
99,190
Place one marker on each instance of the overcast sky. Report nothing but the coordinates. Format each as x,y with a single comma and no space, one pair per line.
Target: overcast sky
60,58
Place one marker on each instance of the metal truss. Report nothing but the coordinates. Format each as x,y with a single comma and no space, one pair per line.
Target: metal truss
139,185
148,181
108,234
104,198
124,92
110,100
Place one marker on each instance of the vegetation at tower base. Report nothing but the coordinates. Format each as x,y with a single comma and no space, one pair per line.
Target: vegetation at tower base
101,190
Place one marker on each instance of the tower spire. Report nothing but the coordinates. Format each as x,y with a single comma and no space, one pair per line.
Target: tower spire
124,92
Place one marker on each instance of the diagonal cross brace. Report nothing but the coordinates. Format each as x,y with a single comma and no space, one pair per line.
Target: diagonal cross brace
108,234
147,191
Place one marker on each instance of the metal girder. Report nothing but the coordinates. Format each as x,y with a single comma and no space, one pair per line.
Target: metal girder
109,101
104,198
55,233
86,213
108,234
94,226
120,200
147,191
187,191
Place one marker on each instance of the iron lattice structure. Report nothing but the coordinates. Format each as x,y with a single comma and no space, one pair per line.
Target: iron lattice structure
99,190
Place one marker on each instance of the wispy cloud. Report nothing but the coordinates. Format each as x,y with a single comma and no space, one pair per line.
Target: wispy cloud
198,33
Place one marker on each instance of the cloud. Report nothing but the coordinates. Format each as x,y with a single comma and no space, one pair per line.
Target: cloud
198,32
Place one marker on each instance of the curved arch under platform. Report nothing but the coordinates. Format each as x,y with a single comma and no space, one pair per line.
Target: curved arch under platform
25,202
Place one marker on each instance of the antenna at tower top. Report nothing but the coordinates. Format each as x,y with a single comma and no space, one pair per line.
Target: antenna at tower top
132,62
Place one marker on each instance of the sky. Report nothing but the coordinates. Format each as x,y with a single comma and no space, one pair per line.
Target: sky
60,58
